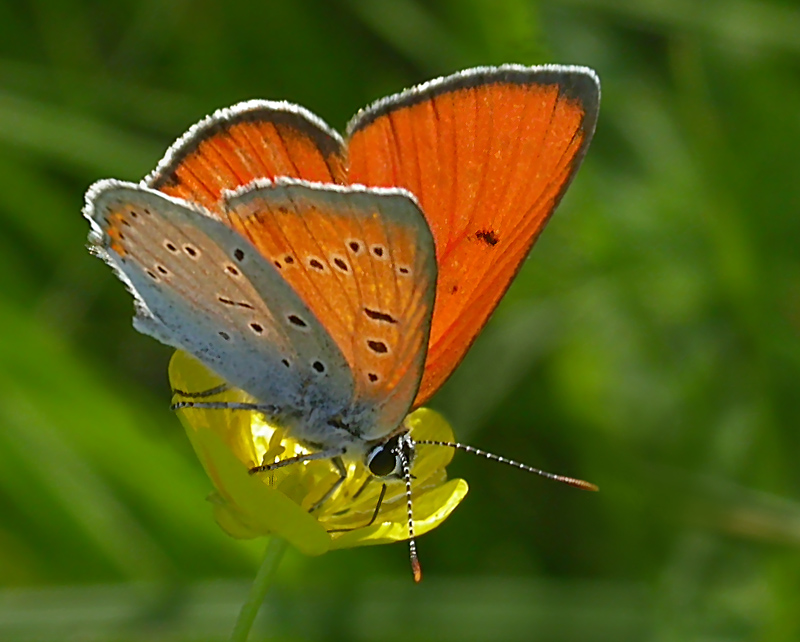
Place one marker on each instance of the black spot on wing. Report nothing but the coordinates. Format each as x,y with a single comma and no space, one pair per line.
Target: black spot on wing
238,304
377,315
379,347
297,321
487,236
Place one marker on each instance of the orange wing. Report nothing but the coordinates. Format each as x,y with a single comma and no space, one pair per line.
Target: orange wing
488,153
251,140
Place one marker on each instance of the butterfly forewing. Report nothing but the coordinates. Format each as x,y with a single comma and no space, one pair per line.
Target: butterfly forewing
488,153
203,288
362,260
255,139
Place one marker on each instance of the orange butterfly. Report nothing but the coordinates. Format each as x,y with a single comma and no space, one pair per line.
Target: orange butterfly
341,281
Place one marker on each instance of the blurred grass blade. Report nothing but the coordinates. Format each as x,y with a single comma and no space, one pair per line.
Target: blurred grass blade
72,140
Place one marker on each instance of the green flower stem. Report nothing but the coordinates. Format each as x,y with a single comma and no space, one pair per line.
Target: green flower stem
275,550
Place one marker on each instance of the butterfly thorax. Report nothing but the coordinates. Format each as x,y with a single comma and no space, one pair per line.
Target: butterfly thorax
320,428
319,424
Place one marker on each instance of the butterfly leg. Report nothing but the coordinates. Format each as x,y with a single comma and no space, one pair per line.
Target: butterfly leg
363,487
333,453
269,411
374,513
338,464
202,393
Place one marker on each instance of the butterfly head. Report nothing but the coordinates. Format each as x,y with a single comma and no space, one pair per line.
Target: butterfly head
388,459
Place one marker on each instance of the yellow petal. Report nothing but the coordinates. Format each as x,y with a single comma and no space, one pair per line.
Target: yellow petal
230,442
256,507
429,512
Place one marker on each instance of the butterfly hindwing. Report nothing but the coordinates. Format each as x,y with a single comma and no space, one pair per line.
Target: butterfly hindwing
364,261
203,288
488,153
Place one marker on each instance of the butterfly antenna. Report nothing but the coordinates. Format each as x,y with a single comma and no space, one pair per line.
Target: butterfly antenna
570,481
416,569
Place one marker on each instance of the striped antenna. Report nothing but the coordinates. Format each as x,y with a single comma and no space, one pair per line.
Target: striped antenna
571,481
416,569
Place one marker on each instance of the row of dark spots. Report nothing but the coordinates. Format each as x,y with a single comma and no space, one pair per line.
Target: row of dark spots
191,251
135,214
338,261
256,327
317,365
120,234
355,247
127,223
315,263
288,260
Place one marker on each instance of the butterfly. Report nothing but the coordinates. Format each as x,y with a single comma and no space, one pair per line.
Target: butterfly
340,281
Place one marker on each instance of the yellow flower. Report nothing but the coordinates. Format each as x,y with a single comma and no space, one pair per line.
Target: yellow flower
230,442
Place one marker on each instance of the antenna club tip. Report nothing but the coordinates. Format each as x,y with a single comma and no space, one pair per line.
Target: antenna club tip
416,569
577,483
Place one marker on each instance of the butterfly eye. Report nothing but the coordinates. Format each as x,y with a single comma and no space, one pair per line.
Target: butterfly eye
383,460
386,458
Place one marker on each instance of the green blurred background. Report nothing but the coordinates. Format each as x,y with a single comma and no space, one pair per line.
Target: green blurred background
649,345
